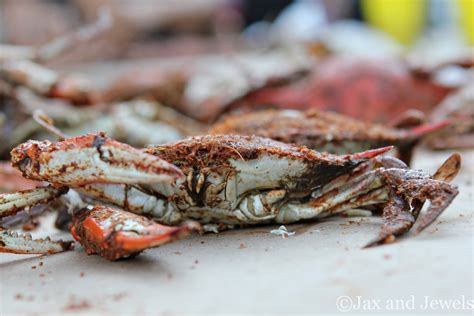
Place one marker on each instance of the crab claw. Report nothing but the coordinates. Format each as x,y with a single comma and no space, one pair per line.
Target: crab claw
88,159
115,234
12,203
368,154
14,242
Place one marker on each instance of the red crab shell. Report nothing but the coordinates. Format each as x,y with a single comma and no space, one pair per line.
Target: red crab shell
372,90
12,180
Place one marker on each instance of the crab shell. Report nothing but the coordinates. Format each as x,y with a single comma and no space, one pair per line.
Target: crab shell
459,108
373,90
219,171
323,131
223,169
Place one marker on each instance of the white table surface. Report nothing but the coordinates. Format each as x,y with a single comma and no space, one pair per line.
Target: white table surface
253,271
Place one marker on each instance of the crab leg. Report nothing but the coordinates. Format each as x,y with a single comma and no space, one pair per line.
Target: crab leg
403,192
415,187
409,191
397,220
413,137
46,82
115,234
90,159
360,187
374,197
325,202
412,189
399,214
365,168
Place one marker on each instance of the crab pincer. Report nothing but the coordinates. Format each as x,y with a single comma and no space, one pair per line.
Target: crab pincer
114,233
93,158
12,203
13,242
75,162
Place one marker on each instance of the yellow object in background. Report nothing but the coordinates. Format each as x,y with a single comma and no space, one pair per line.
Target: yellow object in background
402,19
466,15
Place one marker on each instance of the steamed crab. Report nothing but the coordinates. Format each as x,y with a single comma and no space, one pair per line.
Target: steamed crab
23,65
459,108
130,121
152,196
324,131
372,90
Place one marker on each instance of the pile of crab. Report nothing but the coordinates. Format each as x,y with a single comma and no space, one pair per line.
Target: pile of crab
276,156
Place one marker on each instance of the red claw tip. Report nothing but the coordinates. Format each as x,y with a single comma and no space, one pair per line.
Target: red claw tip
428,128
370,153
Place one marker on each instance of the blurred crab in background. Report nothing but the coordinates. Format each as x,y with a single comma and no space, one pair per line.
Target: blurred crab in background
23,72
24,65
129,121
373,90
395,91
362,72
28,86
212,183
324,131
204,90
459,108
